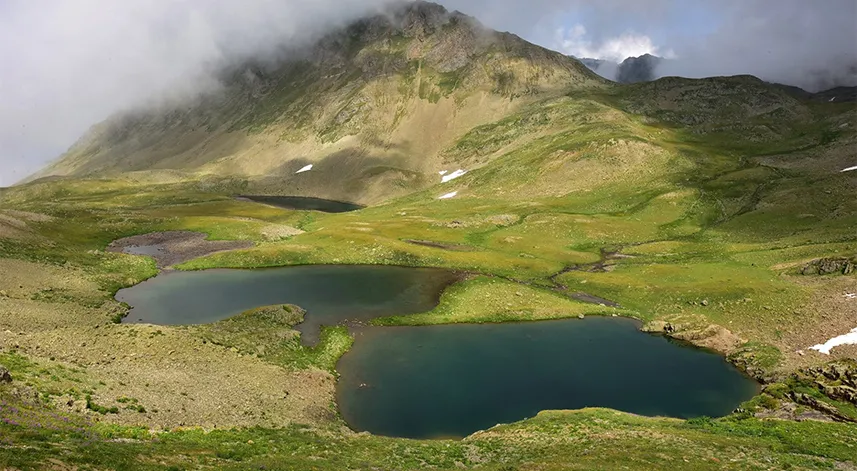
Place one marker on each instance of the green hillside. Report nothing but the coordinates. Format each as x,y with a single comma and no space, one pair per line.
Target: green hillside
372,106
711,210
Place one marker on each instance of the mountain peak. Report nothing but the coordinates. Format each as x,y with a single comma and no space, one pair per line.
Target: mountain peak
422,16
638,69
412,19
399,86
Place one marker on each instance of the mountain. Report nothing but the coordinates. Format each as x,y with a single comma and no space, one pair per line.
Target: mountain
638,69
834,95
631,70
644,69
371,107
381,107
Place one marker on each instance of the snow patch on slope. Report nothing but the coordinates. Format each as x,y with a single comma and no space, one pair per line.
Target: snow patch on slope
847,339
453,176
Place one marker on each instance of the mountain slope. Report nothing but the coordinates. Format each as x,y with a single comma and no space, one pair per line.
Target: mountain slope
372,107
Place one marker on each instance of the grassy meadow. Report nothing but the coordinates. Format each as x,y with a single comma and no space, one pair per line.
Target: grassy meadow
674,212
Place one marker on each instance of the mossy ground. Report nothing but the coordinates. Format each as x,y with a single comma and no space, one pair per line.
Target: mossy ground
586,439
707,225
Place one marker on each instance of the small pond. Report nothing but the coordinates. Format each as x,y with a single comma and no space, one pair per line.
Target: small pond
329,293
306,203
451,381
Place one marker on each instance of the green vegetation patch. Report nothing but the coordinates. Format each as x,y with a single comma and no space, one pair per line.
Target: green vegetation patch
586,439
493,300
268,332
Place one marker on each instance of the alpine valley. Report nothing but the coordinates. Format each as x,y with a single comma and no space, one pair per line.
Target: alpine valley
416,170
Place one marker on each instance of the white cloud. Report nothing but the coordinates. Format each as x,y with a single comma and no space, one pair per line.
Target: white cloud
575,42
70,64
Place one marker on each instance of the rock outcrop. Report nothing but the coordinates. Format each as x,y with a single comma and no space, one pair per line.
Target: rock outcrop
824,408
5,376
837,380
830,266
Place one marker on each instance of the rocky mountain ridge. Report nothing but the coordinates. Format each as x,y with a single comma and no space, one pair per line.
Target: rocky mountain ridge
372,105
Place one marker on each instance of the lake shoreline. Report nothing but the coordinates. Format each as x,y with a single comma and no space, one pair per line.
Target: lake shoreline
392,352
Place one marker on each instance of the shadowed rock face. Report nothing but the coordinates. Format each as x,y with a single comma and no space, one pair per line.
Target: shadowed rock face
631,70
638,69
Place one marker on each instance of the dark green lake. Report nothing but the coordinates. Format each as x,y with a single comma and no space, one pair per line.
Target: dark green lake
330,294
306,203
451,381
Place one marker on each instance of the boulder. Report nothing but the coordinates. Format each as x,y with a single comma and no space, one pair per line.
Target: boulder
5,376
830,266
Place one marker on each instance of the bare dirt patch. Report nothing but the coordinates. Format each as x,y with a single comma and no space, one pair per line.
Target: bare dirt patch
831,312
13,228
712,337
174,247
